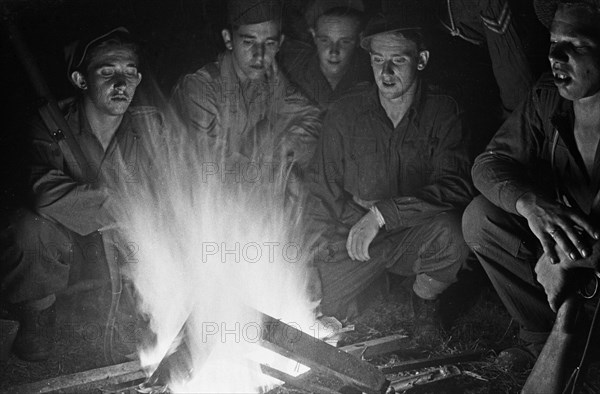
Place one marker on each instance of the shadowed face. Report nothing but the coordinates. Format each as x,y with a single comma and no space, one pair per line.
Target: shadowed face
396,62
254,48
575,52
111,79
336,38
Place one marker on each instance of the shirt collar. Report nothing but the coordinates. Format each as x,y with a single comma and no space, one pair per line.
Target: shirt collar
563,113
348,80
373,102
79,124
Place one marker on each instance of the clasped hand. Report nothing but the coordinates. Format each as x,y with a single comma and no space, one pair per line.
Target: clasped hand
360,237
557,279
555,224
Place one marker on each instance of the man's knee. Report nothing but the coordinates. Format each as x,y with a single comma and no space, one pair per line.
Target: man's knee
33,234
448,232
477,222
35,256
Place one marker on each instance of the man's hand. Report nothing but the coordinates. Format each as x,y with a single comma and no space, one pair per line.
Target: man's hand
555,224
553,277
591,262
360,237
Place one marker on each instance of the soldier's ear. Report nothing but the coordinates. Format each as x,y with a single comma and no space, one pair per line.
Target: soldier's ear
79,80
423,60
227,39
312,31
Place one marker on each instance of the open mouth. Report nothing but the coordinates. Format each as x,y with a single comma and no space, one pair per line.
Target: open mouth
560,77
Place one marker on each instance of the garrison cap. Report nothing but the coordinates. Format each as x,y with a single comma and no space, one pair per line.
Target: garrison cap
249,12
409,17
76,52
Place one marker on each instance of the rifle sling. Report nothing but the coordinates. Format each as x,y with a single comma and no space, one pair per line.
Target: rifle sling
58,135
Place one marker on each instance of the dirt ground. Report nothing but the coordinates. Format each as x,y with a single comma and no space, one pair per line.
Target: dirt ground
479,322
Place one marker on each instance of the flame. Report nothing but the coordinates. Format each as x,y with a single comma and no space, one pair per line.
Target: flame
216,240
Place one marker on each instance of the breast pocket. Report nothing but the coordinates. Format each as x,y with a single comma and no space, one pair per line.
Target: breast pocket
363,166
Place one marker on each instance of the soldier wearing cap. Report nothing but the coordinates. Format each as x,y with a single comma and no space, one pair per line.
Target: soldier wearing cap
535,229
62,228
241,107
335,63
392,178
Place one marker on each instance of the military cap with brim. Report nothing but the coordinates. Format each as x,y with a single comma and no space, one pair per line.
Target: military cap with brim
250,12
545,9
76,52
388,24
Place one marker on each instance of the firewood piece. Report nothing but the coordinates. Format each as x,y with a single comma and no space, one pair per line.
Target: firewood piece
432,362
377,347
321,357
82,381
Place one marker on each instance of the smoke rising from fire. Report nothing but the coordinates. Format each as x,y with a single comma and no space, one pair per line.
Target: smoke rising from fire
218,237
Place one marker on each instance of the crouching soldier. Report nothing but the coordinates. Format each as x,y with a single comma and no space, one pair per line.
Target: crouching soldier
392,179
45,243
536,226
242,108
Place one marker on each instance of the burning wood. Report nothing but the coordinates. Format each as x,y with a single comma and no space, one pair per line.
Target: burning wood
293,344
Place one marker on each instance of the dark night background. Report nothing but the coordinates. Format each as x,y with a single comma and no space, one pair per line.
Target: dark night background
179,36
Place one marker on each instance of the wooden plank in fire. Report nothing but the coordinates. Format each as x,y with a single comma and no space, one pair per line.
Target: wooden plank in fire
321,357
83,381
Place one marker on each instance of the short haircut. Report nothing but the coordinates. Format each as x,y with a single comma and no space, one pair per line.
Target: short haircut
347,12
415,35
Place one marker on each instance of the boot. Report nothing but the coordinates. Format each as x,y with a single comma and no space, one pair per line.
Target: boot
428,323
35,339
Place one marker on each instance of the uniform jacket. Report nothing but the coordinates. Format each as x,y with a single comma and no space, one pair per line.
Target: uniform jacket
256,120
413,171
535,151
81,205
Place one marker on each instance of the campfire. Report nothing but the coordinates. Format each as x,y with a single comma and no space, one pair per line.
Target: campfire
221,255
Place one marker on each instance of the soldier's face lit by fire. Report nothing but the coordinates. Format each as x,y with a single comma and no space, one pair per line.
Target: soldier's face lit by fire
575,52
396,62
336,38
111,79
254,48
